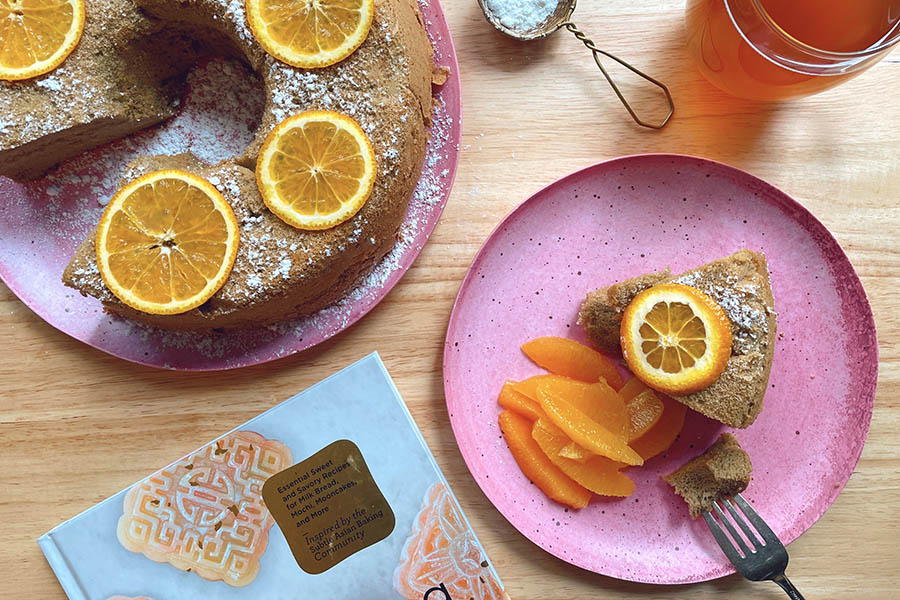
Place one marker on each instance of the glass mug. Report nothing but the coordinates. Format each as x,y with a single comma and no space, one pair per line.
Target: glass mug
778,49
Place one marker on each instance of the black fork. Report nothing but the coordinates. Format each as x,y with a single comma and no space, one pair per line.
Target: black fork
766,560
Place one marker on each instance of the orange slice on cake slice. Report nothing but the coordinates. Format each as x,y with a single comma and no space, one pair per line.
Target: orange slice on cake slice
166,242
36,36
675,338
316,169
310,33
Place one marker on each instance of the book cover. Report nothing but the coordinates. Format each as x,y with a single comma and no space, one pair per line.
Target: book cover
331,494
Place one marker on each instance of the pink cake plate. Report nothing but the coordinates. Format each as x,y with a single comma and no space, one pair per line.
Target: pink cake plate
639,214
44,221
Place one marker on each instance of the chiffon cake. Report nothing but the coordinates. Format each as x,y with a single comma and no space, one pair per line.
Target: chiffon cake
723,471
126,74
740,284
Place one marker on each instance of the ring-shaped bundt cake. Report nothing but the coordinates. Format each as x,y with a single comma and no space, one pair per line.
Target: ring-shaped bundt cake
125,75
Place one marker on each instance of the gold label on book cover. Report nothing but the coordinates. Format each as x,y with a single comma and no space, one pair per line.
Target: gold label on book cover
328,507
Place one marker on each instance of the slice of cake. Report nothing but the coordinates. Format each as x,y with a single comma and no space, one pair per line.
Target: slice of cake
721,472
740,285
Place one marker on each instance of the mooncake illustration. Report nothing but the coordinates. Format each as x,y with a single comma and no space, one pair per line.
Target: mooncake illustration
442,551
205,513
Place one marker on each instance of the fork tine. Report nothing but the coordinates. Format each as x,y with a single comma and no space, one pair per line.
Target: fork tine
767,534
734,534
724,543
751,536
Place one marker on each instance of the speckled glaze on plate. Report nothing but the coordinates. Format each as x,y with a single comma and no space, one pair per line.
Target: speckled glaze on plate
44,221
634,215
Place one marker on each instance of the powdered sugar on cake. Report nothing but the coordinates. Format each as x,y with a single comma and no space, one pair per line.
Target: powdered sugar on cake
225,103
214,126
739,300
427,199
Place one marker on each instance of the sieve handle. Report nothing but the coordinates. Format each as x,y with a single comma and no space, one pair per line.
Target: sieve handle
597,52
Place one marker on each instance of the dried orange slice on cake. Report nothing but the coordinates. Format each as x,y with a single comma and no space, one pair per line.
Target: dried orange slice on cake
310,33
36,36
316,169
166,242
675,338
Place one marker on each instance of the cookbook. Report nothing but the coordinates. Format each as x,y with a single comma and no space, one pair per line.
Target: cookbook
331,494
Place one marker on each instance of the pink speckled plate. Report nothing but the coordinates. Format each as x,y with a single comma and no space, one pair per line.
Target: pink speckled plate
638,214
43,222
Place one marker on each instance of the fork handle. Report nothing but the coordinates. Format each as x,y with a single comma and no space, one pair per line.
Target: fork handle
788,587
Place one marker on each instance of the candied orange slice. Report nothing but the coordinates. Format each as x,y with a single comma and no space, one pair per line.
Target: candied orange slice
316,169
675,338
519,403
36,36
662,435
583,430
166,242
567,357
644,411
310,33
535,464
598,474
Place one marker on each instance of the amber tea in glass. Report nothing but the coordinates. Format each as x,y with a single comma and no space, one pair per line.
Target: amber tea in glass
777,49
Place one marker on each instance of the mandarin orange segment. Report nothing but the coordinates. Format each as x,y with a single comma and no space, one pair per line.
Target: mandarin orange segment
520,404
605,406
573,451
535,464
597,474
631,388
36,36
530,385
567,357
598,401
644,411
310,33
583,430
662,435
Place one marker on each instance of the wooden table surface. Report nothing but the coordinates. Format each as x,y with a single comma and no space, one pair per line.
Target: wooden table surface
77,425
